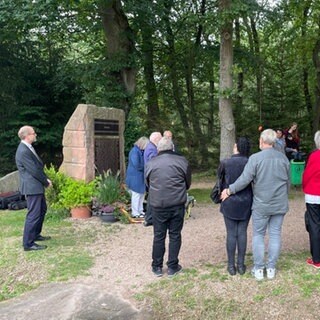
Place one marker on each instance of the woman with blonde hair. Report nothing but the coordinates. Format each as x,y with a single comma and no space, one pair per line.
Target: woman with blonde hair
135,177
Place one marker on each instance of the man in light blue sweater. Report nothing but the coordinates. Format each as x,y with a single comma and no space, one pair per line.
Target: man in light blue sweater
268,171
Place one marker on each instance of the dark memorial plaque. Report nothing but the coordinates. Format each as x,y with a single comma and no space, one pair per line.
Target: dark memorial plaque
106,146
106,127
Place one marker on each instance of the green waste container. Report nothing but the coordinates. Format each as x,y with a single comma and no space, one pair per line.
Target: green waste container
296,171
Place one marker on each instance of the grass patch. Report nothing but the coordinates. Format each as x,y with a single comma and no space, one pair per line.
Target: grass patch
67,256
201,195
208,292
207,176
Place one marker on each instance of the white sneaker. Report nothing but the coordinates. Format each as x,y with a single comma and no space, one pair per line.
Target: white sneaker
257,273
271,273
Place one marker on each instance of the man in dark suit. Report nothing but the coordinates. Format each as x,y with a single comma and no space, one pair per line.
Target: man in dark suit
32,184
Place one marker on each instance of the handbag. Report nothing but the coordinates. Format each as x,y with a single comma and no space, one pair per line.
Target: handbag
216,193
217,188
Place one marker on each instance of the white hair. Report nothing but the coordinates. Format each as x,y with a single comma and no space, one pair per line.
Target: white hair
269,136
165,144
155,137
317,139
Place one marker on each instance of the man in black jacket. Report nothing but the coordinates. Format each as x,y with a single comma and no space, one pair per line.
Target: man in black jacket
168,177
32,184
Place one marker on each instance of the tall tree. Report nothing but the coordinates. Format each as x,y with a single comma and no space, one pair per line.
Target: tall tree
227,137
120,47
145,17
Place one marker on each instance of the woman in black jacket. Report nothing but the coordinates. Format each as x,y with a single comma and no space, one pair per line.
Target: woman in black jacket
237,208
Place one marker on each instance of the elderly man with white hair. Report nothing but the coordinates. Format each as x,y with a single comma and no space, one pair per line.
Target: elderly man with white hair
149,153
268,171
168,177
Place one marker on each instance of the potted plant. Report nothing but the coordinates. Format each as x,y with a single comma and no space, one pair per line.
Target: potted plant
109,195
77,195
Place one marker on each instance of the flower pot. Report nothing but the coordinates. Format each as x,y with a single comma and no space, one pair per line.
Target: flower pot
108,217
80,212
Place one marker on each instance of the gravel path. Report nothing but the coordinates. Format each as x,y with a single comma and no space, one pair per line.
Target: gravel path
123,260
123,268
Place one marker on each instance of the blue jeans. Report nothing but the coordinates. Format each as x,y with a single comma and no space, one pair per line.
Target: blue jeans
260,223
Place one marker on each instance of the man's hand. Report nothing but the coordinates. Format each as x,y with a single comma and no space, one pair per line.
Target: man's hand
224,194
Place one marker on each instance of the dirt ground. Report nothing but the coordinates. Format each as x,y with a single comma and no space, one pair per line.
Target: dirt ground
123,267
123,263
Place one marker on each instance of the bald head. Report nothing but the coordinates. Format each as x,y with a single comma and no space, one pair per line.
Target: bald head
27,134
155,137
167,134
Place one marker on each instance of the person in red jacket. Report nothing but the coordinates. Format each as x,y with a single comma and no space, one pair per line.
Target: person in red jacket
311,189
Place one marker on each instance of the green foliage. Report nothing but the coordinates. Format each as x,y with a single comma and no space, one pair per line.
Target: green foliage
53,56
55,214
76,193
201,195
108,187
53,194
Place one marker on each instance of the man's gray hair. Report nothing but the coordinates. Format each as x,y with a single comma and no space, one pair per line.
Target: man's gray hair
165,144
317,139
269,136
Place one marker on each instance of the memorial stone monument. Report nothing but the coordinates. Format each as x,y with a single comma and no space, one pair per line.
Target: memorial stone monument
93,142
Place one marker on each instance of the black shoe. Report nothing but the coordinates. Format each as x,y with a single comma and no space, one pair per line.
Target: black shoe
147,224
42,238
157,271
242,269
232,270
173,272
35,247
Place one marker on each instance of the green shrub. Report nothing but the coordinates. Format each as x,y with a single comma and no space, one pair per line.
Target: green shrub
76,193
53,194
108,187
57,214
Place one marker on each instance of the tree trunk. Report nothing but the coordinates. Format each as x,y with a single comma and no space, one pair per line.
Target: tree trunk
256,44
211,106
201,142
173,74
316,109
227,137
153,119
239,99
120,46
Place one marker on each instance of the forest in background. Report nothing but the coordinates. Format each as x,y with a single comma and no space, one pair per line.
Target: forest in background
159,61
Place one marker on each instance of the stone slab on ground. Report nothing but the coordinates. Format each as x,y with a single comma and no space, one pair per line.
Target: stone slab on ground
10,182
64,301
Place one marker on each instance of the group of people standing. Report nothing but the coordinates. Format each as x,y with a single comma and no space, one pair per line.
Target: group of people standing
255,186
258,187
156,169
288,142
